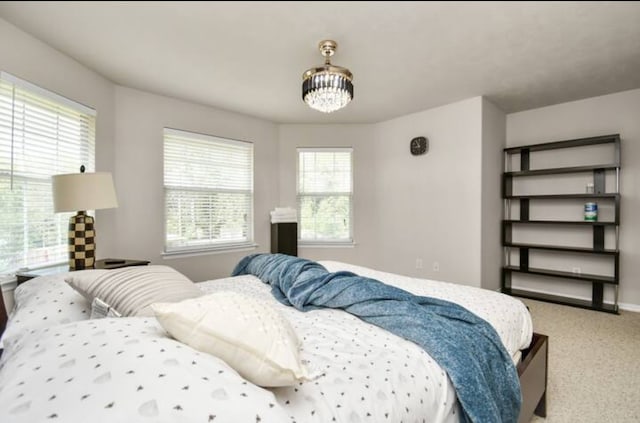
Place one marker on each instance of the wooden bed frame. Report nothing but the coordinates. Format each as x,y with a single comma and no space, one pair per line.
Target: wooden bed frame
3,315
532,372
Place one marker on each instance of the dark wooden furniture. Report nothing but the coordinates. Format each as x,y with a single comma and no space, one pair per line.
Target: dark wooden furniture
284,238
119,263
3,314
100,264
3,317
598,228
532,372
45,271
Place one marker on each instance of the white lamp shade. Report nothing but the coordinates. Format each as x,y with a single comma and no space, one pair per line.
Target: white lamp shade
83,191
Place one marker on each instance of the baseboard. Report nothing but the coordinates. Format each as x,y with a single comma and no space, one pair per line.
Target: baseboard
622,306
629,307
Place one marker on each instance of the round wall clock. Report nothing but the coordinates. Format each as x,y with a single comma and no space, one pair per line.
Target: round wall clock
419,145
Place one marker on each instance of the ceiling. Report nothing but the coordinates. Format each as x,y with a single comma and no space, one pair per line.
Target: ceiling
249,57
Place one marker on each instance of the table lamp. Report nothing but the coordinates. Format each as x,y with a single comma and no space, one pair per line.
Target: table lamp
81,192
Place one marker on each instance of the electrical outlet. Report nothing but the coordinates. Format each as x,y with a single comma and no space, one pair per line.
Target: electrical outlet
576,271
436,266
419,263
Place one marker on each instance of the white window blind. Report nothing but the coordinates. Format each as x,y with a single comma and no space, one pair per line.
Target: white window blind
325,191
208,185
41,134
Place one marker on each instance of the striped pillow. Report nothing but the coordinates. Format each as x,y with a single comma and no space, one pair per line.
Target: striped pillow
131,290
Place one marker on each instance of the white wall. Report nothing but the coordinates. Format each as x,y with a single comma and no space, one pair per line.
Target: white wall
428,207
361,139
32,60
609,114
493,142
140,119
129,144
440,207
408,208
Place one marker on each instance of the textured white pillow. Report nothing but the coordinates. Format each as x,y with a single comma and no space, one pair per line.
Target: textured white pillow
248,334
131,290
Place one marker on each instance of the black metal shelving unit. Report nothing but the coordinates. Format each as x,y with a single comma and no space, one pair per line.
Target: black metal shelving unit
597,228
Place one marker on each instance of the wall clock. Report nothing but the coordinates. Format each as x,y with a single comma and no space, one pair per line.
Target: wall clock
419,145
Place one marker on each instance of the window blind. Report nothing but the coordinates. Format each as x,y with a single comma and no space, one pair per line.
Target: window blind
325,190
41,134
208,184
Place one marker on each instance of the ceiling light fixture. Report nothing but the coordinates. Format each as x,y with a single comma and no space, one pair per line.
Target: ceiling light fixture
327,88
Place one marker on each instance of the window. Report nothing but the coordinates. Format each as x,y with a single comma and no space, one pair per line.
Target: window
208,191
325,192
41,134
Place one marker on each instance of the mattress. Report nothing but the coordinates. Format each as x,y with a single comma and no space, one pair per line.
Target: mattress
508,315
60,364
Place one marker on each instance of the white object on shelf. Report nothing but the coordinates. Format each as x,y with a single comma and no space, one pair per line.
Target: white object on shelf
284,215
590,188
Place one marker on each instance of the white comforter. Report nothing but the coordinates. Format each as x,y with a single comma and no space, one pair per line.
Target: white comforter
508,315
128,369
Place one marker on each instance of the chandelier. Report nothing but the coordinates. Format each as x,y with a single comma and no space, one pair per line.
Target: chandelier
327,88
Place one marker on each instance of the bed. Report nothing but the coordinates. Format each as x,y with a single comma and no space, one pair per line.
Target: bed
61,365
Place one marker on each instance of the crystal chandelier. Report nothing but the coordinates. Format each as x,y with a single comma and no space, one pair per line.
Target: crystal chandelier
327,88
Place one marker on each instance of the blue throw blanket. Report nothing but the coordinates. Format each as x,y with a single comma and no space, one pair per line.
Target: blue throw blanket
464,345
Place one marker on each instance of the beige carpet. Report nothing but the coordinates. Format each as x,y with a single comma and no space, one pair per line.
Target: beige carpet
594,364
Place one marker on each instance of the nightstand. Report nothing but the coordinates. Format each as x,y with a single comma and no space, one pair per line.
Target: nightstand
100,264
30,274
118,263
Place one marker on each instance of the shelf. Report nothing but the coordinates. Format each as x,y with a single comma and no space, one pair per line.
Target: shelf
565,249
565,275
558,170
562,222
580,142
612,196
569,163
607,308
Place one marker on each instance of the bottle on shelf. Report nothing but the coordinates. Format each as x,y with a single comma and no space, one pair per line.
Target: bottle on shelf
591,212
590,208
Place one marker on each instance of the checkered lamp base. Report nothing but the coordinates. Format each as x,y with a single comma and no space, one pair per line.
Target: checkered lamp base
82,246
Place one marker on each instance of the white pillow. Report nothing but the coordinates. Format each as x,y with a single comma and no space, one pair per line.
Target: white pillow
248,334
42,302
80,280
131,290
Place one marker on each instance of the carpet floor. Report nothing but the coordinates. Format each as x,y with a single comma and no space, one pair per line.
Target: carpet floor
594,364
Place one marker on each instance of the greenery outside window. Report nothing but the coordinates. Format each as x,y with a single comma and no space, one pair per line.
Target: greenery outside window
41,134
208,189
325,195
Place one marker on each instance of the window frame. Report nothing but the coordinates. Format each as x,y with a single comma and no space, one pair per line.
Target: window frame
210,247
47,102
324,243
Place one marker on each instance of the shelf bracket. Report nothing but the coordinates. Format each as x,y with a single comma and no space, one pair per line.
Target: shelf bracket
598,181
